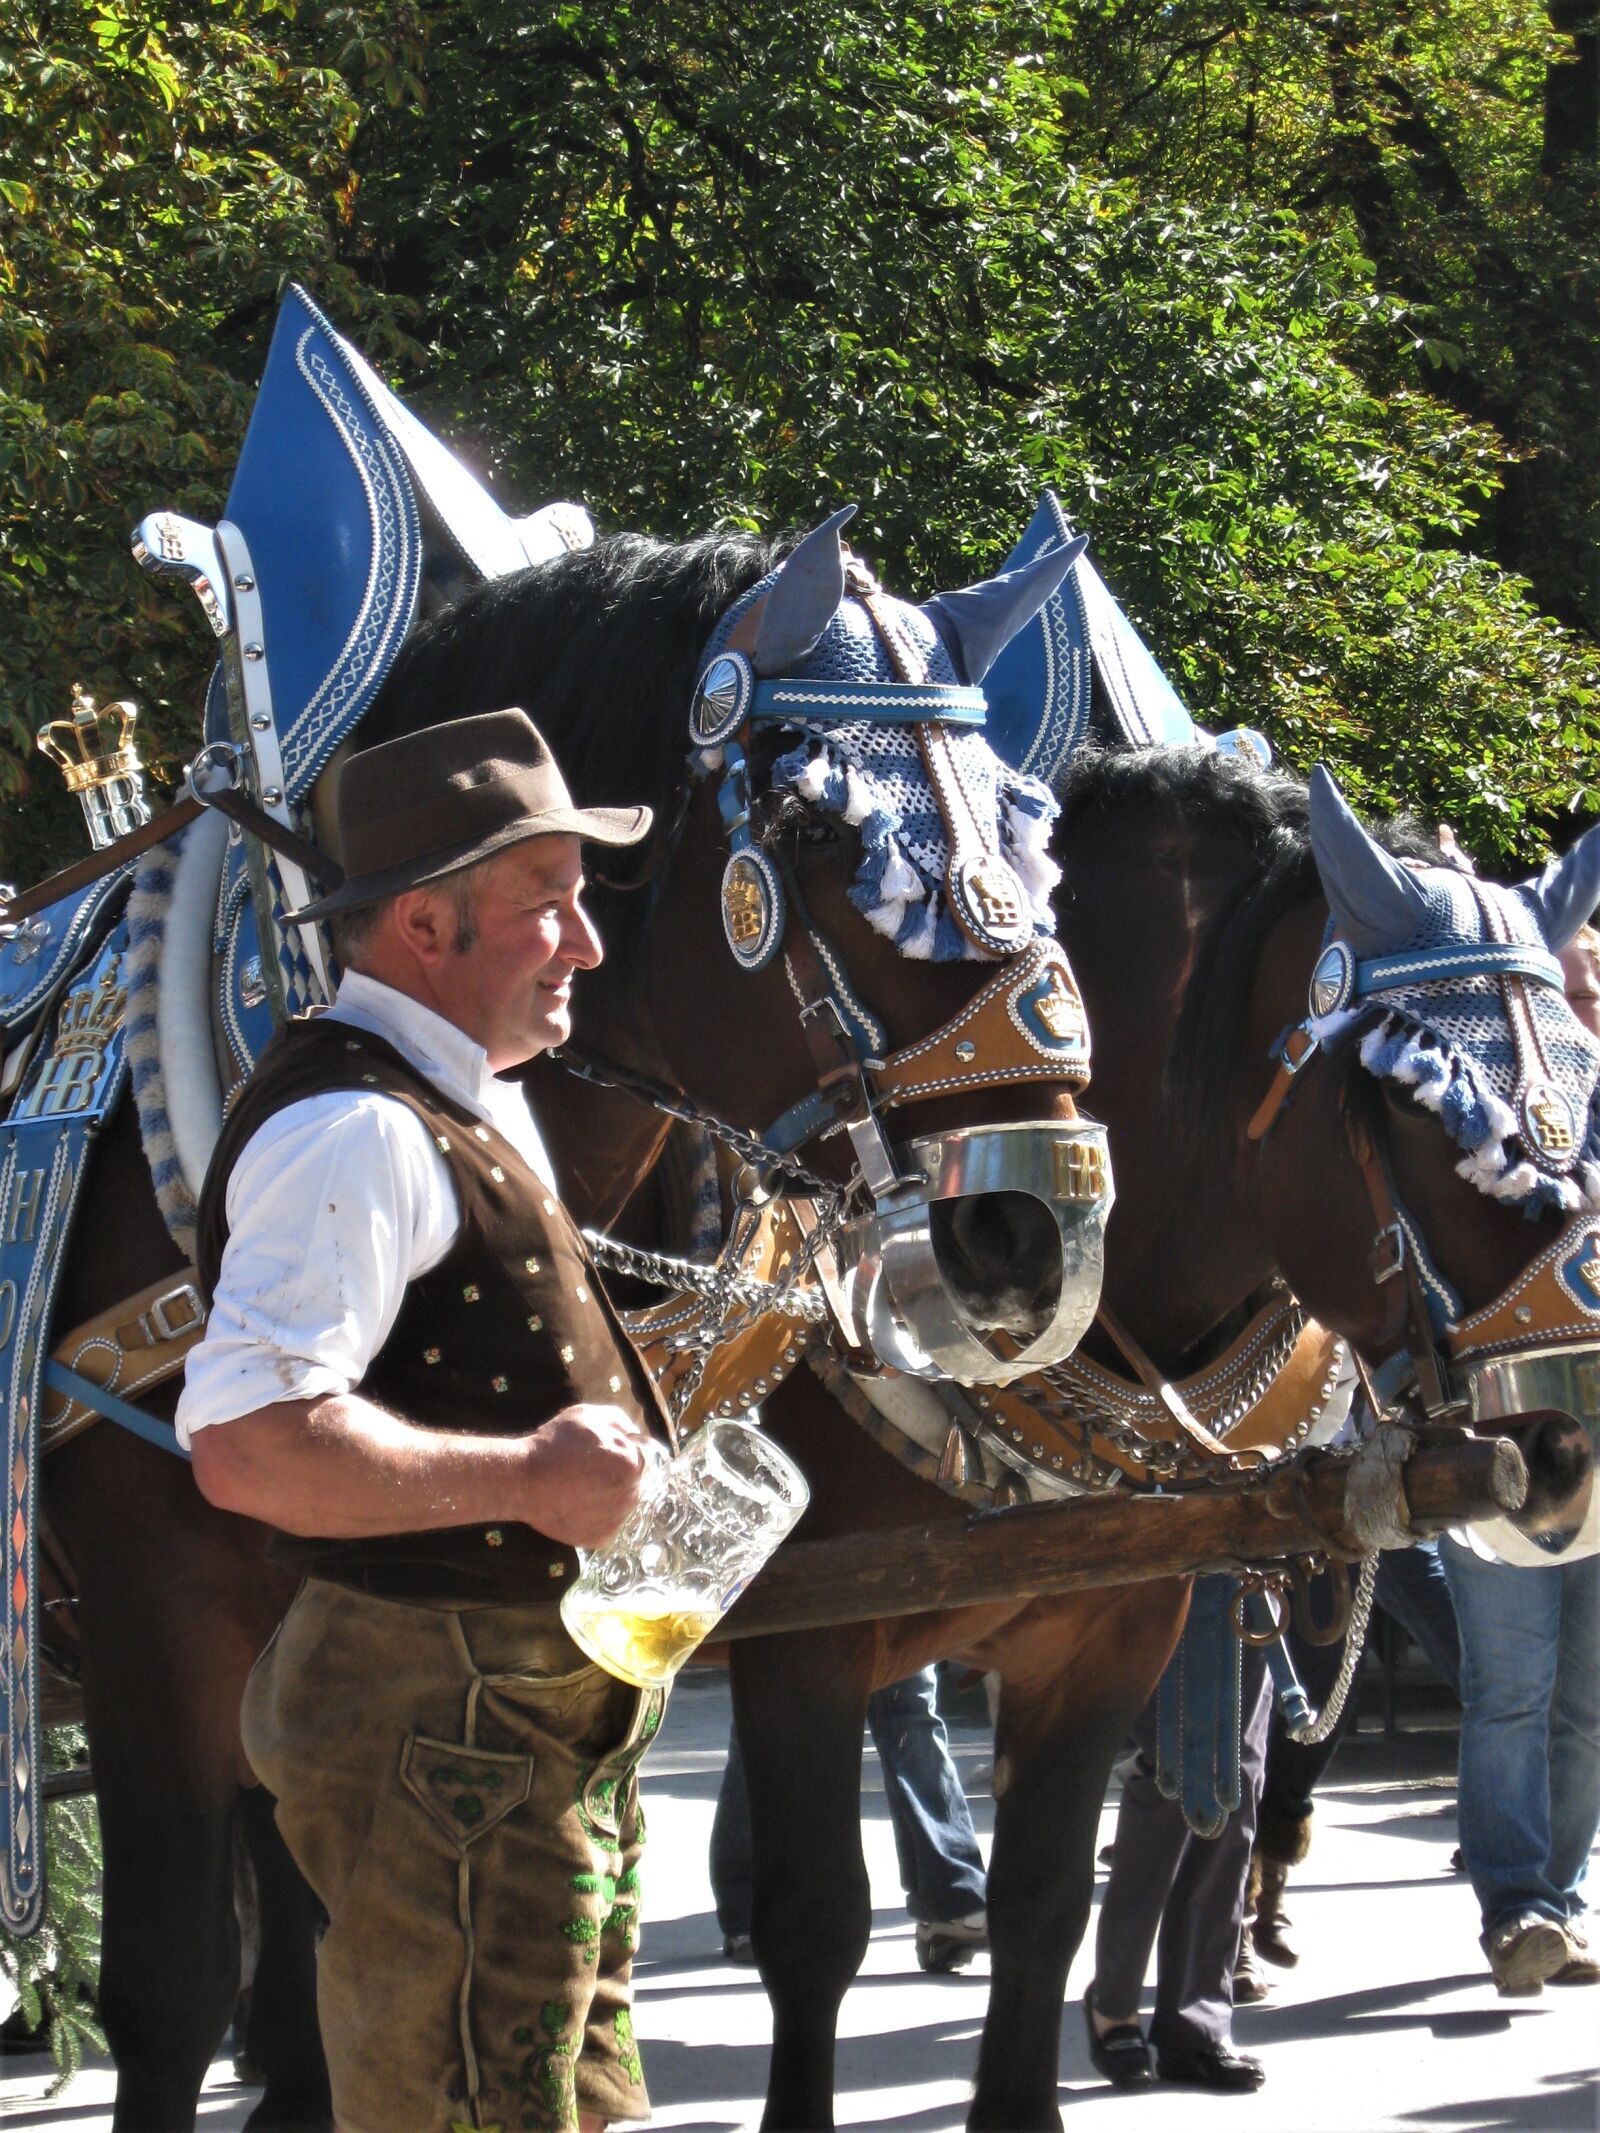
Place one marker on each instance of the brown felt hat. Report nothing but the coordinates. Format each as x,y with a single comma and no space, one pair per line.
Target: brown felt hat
413,810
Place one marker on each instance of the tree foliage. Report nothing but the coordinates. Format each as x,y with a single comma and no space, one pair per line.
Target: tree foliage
1291,304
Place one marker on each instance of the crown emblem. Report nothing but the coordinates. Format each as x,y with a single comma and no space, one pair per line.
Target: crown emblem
86,1027
95,752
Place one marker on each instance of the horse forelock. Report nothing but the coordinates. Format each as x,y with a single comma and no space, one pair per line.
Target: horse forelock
1187,798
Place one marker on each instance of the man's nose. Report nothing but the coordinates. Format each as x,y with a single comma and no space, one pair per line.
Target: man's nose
580,943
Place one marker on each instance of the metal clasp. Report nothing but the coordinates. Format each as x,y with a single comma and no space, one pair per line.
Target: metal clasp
1385,1264
156,1321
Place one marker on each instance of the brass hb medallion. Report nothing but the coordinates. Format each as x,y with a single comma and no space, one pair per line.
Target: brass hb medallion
752,908
990,904
1547,1121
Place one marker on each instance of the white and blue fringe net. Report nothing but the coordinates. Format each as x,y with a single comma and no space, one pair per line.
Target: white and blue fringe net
872,778
1450,1044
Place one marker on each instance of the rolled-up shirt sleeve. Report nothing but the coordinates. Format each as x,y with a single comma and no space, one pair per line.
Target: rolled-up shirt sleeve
333,1207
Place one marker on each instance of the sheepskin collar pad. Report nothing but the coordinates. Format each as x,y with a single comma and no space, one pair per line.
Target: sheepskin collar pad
1506,1066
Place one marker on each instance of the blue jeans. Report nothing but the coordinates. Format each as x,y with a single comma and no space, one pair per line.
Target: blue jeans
941,1868
1528,1795
1412,1587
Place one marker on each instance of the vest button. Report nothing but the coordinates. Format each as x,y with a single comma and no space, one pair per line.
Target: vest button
535,1323
501,1384
567,1352
430,1355
470,1293
582,1293
444,1145
497,1174
494,1538
481,1132
532,1265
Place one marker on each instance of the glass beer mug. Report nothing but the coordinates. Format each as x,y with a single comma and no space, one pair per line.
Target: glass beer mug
704,1524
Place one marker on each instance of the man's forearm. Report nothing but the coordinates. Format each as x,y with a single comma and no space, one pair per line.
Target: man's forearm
340,1467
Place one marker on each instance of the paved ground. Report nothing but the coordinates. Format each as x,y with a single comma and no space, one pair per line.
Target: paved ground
1390,2022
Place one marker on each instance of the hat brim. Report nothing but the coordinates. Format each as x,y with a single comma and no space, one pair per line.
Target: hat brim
595,825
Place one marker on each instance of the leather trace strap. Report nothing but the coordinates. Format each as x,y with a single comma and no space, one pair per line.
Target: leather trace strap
1155,1381
98,864
132,1346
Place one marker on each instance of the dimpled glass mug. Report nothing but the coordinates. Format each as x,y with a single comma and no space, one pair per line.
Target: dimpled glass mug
704,1524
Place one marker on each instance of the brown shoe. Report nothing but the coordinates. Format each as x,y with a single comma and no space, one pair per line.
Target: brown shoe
1523,1952
1582,1967
1272,1921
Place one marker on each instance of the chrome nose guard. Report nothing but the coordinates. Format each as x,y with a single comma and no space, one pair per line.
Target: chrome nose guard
899,1298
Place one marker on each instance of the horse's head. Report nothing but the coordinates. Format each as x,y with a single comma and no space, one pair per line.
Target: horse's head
845,915
1462,1251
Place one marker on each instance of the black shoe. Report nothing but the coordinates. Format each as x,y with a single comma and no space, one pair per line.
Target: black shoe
1121,2056
1217,2067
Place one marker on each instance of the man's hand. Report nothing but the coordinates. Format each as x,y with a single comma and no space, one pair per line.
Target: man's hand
584,1468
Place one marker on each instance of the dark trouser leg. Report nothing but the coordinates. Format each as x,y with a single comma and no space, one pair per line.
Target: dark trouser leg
1199,1939
1150,1843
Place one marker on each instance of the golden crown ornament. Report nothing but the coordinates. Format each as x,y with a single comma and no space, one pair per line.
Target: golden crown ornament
96,754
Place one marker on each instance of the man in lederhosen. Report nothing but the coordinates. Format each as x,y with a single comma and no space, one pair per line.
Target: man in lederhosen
411,1373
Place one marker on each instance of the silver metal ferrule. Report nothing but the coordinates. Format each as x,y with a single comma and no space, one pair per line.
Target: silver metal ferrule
1499,1388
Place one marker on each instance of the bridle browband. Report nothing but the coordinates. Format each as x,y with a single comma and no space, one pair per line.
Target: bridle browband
1426,1314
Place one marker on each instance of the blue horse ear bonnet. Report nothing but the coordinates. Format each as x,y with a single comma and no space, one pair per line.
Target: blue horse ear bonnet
871,777
1450,1041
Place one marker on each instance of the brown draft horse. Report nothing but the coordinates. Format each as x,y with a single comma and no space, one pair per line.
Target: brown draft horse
175,1599
1191,909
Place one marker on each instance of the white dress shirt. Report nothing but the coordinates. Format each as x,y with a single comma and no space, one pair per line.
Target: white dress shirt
334,1205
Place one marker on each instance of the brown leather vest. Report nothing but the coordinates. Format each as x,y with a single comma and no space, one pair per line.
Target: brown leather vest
511,1325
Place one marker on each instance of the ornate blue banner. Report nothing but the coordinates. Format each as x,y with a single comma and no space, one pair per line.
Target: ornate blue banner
70,1089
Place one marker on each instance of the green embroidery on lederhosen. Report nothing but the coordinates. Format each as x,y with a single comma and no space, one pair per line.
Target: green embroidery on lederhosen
623,1917
627,2049
544,2083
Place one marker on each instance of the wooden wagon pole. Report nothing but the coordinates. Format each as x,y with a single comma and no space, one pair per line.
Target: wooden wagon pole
1036,1550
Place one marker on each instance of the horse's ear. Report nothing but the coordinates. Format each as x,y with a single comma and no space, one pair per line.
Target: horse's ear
980,621
1567,894
1377,903
804,599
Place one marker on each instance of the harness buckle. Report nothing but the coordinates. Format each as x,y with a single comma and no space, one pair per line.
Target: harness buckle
156,1322
1388,1255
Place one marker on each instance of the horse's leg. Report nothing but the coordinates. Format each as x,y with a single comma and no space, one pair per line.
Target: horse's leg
169,1633
282,2037
1076,1675
800,1706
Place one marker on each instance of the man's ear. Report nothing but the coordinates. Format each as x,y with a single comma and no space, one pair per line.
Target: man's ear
425,923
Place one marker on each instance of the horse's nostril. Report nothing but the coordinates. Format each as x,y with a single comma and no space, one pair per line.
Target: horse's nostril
1000,1253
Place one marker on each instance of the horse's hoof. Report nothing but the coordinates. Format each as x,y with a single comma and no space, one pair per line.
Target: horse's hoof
951,1943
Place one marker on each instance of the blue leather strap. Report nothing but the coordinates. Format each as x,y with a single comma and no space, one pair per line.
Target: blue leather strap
879,703
134,1419
1197,1712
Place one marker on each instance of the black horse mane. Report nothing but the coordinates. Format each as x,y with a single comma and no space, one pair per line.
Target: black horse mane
598,646
1193,792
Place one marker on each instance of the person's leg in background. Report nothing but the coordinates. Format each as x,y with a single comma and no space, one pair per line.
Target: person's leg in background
941,1867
